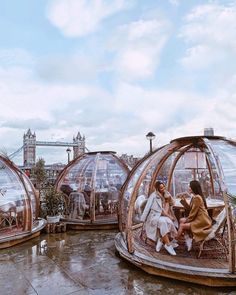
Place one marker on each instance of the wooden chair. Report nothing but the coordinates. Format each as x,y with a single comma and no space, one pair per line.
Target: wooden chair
216,234
8,217
140,204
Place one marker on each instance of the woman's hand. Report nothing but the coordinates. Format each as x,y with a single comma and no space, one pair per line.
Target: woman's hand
183,197
180,196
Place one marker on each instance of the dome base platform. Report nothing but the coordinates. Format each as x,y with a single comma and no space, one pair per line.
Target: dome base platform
204,271
22,237
107,224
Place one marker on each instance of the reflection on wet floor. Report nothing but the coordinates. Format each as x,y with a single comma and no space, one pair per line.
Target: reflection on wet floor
81,263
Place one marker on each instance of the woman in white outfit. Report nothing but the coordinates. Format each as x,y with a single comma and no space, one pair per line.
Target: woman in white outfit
158,220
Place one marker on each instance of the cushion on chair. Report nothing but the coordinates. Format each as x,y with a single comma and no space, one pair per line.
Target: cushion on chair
219,221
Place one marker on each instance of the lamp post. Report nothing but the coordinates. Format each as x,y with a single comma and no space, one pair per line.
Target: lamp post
150,136
68,150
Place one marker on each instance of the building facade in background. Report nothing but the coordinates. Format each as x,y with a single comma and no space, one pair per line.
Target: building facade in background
129,160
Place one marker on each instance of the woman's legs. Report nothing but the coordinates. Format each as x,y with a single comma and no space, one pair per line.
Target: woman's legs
186,229
166,228
166,239
183,227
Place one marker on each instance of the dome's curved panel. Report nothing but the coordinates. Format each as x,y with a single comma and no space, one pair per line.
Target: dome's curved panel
139,182
92,184
18,203
225,154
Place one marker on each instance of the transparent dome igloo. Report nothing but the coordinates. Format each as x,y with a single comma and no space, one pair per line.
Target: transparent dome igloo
212,161
19,205
92,184
209,159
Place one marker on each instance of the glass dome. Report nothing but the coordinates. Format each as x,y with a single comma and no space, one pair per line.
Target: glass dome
209,159
92,184
212,161
19,204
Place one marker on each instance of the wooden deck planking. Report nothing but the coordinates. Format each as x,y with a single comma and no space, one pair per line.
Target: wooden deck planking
211,263
211,272
149,251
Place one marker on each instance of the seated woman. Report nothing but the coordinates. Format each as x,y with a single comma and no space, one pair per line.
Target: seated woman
198,222
156,217
77,205
168,201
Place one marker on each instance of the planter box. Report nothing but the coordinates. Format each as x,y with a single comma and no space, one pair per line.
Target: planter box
52,228
53,219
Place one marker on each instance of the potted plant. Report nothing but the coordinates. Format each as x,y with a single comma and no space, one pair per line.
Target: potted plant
53,204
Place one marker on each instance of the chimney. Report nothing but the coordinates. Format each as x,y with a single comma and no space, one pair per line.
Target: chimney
208,131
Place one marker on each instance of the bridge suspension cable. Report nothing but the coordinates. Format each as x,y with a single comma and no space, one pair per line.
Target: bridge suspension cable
12,155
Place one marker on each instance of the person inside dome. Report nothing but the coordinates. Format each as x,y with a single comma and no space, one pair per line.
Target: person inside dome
198,223
205,183
77,205
158,218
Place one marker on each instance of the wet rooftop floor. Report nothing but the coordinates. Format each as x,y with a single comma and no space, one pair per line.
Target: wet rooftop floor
82,262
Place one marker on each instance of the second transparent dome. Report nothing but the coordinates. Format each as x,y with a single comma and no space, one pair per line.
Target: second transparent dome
92,184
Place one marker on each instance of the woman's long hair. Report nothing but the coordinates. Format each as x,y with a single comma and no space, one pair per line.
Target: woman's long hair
197,190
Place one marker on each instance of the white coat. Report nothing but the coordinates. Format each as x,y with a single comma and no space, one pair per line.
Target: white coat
151,215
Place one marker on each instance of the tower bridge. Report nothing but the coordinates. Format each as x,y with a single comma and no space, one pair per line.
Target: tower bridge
30,143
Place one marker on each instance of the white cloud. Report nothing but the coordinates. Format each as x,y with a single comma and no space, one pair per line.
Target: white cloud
174,113
61,95
22,93
136,63
210,31
76,18
138,47
158,110
200,56
28,103
116,121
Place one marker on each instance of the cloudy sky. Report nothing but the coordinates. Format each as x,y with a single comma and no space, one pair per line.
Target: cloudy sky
115,70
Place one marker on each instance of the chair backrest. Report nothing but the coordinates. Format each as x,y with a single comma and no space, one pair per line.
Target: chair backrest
140,204
219,222
114,195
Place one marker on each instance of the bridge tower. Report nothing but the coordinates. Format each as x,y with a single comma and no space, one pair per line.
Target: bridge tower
29,144
80,145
